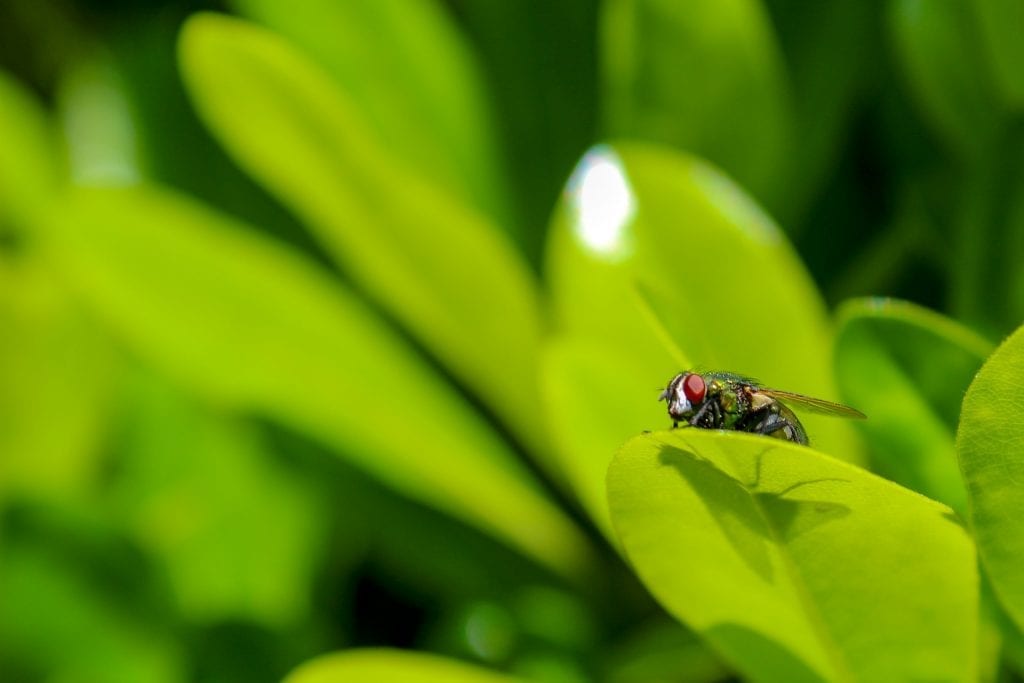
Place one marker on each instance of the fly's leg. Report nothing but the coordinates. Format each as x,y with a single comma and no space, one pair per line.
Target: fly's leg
711,409
767,422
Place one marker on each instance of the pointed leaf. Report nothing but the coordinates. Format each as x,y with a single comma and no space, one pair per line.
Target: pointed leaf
795,566
438,266
256,326
413,77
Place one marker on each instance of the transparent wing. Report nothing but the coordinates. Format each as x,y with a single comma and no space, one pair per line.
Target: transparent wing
815,405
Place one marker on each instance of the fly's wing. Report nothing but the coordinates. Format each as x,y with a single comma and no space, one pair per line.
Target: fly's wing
815,405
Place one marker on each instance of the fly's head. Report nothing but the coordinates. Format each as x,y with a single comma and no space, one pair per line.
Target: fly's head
684,394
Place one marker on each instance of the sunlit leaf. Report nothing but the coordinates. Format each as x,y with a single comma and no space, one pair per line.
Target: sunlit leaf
392,666
705,76
907,368
29,171
437,265
251,324
990,446
58,372
795,566
413,77
657,260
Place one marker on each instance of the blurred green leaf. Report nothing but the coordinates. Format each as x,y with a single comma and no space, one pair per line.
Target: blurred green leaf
29,172
1000,22
445,272
656,259
392,666
907,368
704,76
795,566
414,79
53,622
829,71
939,47
58,373
252,324
239,534
992,462
664,652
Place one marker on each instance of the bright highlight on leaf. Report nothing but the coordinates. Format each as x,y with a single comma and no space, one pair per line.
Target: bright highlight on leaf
603,203
795,566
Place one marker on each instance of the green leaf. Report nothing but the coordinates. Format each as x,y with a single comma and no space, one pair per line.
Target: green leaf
239,534
413,78
439,267
795,566
704,76
29,172
907,368
56,396
1000,22
657,262
253,325
381,665
58,624
989,446
939,46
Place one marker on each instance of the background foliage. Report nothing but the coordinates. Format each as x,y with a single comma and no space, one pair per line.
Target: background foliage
329,331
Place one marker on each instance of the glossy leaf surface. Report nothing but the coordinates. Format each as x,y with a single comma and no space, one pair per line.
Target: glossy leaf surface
990,446
658,262
907,368
252,324
451,277
795,566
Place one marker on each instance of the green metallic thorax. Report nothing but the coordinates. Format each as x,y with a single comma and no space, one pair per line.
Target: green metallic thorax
732,396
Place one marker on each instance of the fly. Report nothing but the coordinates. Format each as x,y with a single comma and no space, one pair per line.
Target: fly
722,400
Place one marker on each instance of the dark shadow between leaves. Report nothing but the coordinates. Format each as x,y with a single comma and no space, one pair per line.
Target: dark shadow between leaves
761,653
741,512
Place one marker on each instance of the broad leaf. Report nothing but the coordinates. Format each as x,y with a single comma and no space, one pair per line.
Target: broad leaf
704,76
438,266
254,325
795,566
392,666
907,368
413,77
990,446
657,262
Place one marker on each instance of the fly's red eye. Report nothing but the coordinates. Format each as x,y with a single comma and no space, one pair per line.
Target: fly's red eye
694,388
